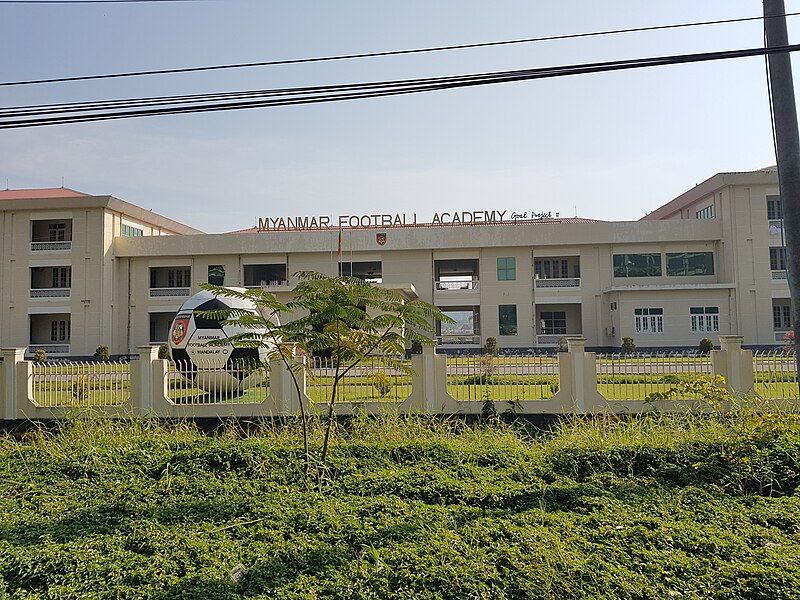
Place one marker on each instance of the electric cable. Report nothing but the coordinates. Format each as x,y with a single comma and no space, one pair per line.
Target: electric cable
343,92
293,61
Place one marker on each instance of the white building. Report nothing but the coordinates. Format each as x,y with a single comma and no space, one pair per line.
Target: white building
78,271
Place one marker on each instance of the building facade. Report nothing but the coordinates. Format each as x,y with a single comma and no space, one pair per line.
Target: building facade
80,271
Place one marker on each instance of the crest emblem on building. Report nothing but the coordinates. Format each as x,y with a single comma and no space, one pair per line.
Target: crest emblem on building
179,329
380,238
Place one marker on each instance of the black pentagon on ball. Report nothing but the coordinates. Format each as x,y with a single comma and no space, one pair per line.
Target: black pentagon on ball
242,361
203,322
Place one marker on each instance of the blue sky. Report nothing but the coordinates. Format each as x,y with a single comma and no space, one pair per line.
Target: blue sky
610,146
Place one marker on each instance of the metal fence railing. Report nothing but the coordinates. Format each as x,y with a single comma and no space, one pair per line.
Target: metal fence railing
200,382
775,374
80,384
636,376
502,378
374,379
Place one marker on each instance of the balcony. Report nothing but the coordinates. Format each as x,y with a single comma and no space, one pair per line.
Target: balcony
170,282
458,340
49,349
457,285
456,275
369,271
65,246
51,333
50,282
779,275
170,292
51,235
464,330
47,293
775,226
273,284
780,336
548,340
265,276
560,282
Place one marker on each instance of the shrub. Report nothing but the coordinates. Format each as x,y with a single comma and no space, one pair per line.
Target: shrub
101,353
416,347
81,388
628,347
487,365
491,346
562,344
382,383
163,352
706,346
40,356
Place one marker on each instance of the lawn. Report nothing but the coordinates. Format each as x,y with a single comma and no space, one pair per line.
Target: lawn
651,507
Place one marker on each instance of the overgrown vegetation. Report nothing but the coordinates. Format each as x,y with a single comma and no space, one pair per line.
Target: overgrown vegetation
648,507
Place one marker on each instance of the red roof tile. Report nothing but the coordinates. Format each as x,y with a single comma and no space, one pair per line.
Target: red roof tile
36,193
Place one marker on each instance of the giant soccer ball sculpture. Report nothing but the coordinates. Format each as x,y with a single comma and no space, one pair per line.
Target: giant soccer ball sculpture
214,368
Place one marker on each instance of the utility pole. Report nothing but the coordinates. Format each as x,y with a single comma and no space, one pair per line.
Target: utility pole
787,150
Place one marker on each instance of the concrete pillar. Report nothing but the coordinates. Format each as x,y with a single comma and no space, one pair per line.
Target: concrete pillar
734,364
429,379
282,386
578,369
9,385
142,376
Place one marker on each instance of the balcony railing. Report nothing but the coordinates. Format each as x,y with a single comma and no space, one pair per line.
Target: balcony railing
275,283
557,282
170,292
457,285
779,275
548,339
780,335
50,349
50,293
51,246
458,340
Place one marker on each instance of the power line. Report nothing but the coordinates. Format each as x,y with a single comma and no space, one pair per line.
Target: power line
312,95
294,61
95,1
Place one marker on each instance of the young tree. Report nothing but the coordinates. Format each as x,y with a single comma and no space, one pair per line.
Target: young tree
345,318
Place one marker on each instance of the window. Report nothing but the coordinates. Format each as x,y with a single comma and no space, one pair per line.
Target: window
553,322
507,314
216,274
57,232
613,306
781,317
637,265
553,268
507,269
690,263
649,320
61,277
774,208
777,258
178,278
130,231
705,213
59,331
704,318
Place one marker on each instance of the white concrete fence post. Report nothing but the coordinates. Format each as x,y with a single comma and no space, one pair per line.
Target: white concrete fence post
10,385
142,374
734,364
579,369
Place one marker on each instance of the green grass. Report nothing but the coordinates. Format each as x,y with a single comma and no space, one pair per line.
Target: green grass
652,507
